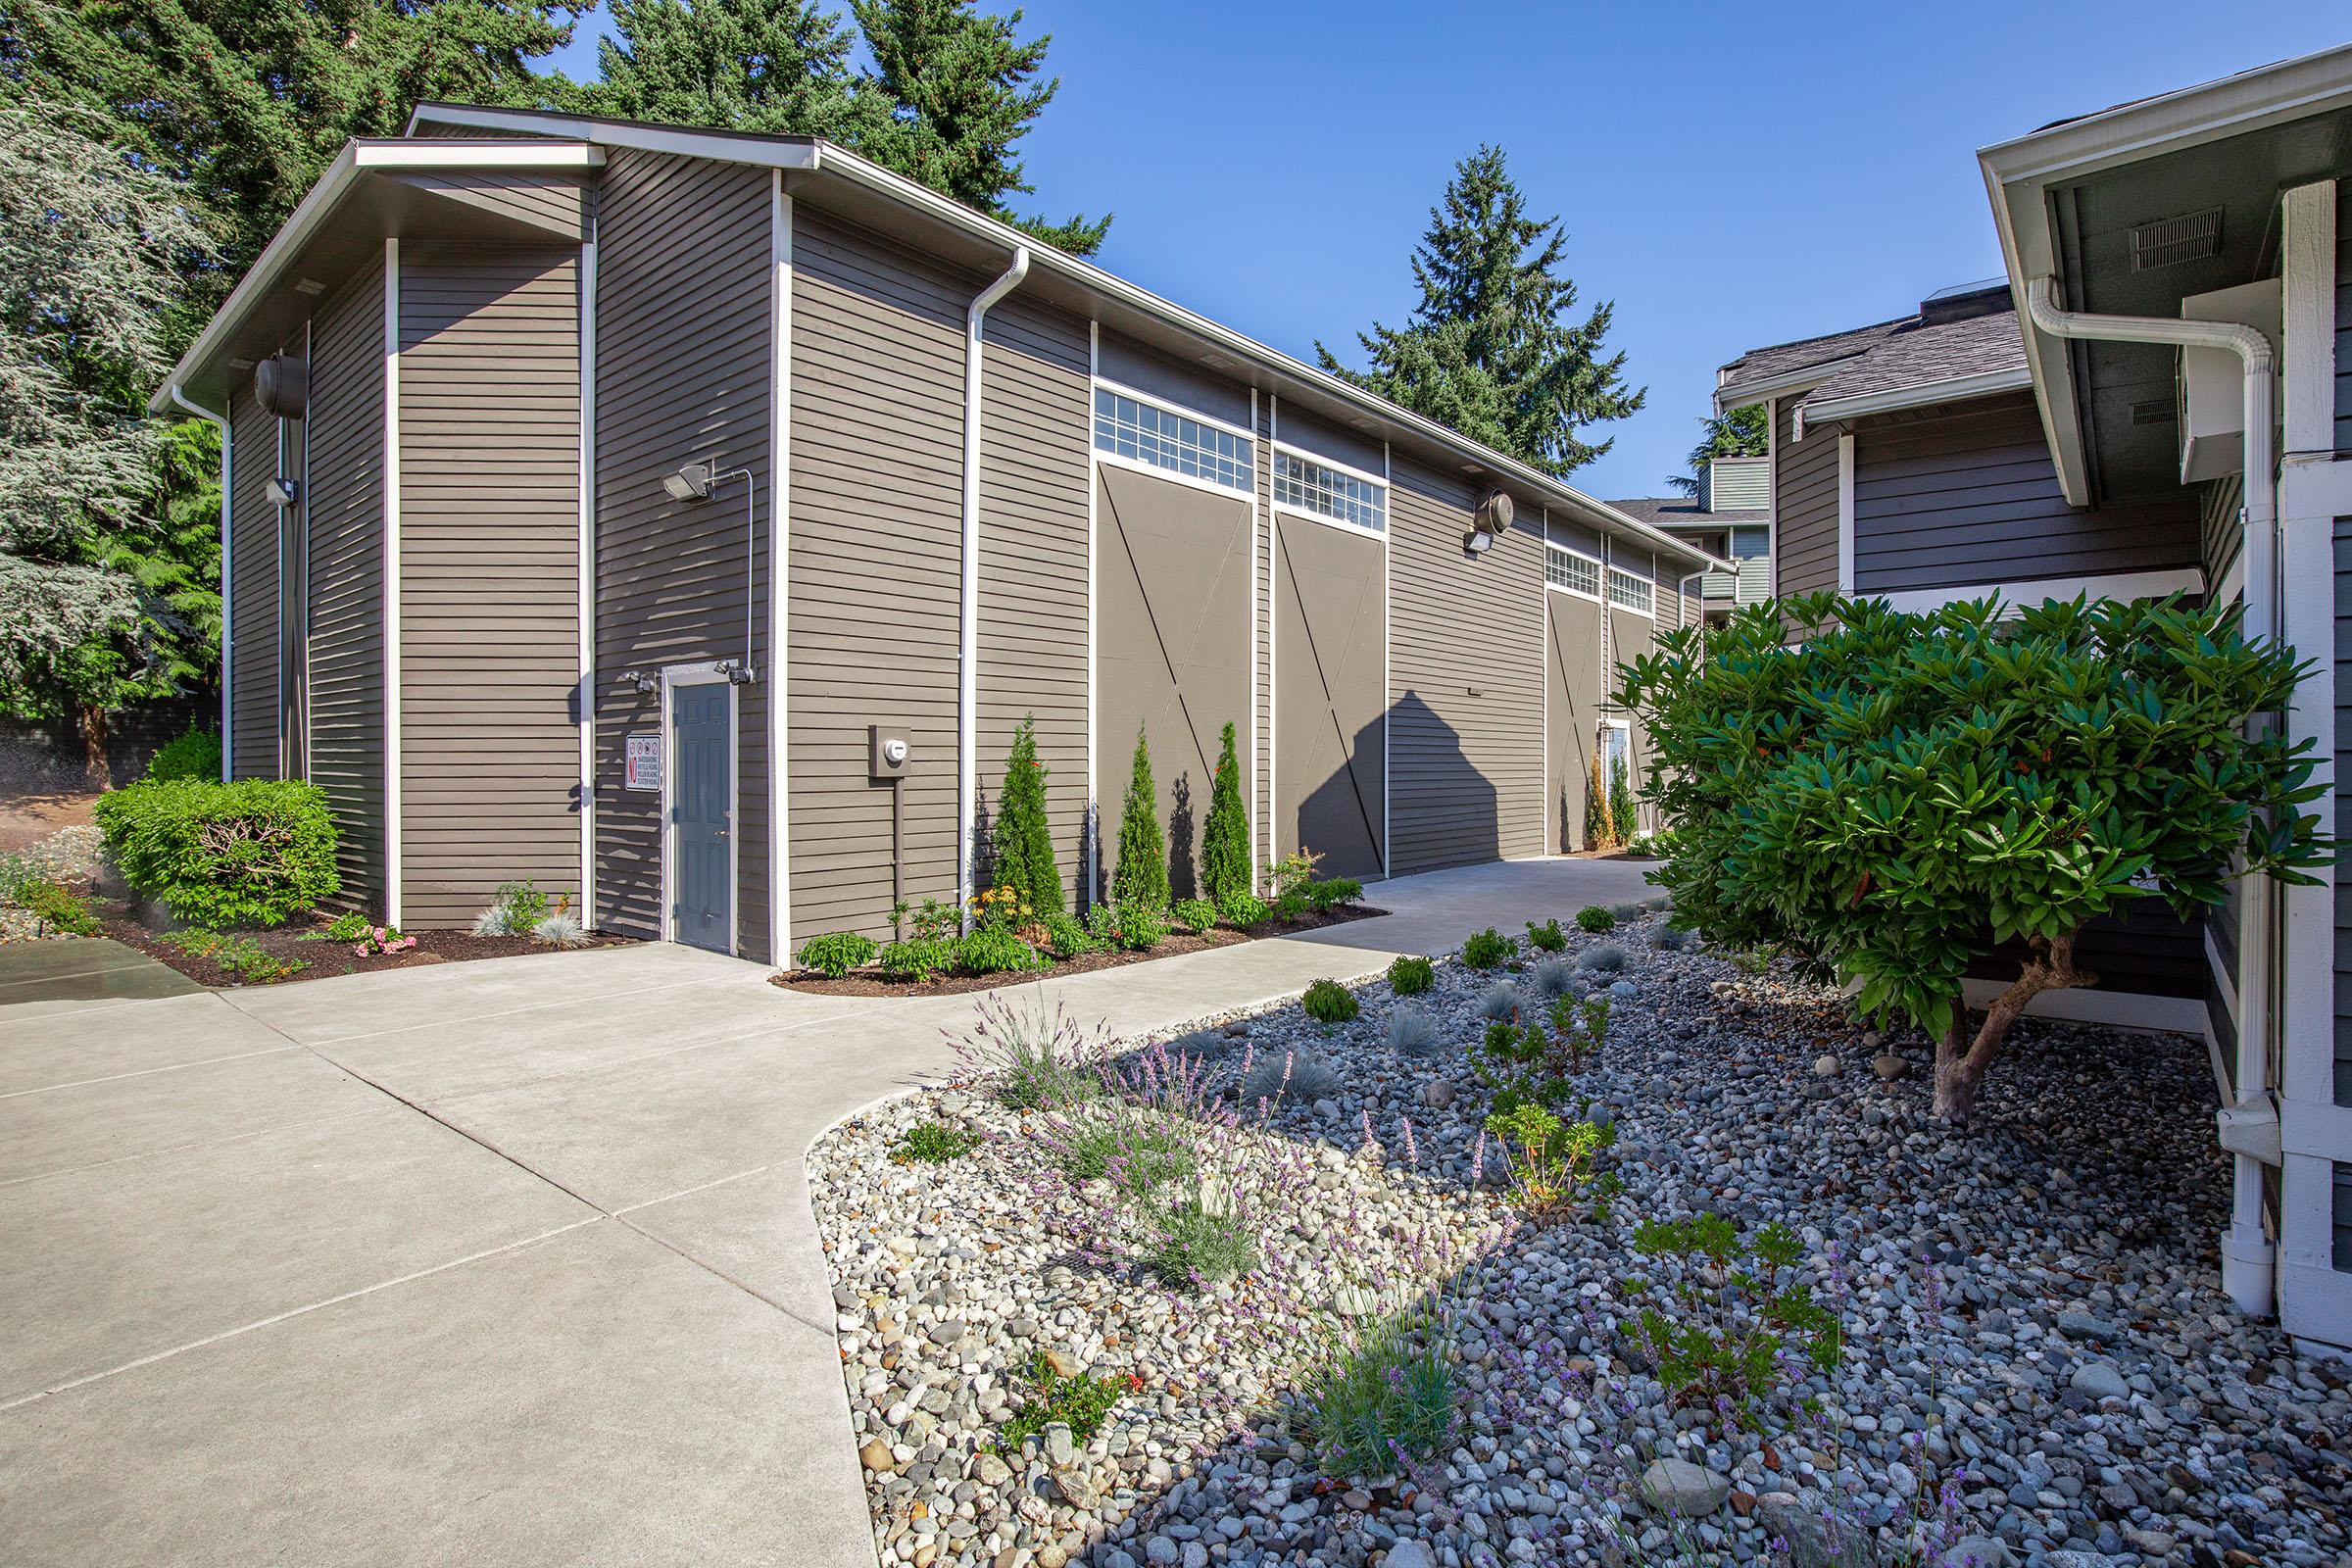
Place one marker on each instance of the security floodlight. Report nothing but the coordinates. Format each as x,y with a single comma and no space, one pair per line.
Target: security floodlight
1478,540
693,482
282,492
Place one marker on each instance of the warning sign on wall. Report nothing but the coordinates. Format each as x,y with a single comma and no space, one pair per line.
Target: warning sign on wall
645,762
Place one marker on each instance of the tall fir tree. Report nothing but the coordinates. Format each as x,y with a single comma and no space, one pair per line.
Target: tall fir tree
1025,842
1225,836
1493,350
1600,824
965,89
778,66
1141,878
1740,433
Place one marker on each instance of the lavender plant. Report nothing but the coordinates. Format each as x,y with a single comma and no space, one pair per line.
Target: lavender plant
1384,1393
1034,1059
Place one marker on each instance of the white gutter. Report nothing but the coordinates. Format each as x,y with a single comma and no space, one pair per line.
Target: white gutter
968,658
179,398
2246,1252
1921,394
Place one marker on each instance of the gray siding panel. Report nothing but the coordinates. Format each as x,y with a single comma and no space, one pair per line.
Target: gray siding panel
252,738
1467,638
558,206
489,542
345,499
878,429
1804,504
1968,495
1036,434
1328,618
1571,714
683,363
1171,382
1322,438
2219,528
2342,804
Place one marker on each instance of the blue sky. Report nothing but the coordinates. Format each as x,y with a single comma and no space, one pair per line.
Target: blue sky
1731,176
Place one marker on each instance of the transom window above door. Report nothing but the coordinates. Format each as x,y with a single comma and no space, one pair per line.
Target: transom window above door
1334,494
1127,426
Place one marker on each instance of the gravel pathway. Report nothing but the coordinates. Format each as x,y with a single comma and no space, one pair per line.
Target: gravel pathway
2039,1367
72,855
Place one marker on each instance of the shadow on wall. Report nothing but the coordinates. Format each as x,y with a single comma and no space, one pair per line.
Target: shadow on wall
1441,808
1183,883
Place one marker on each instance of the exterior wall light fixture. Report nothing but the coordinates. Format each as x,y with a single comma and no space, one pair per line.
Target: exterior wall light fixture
693,485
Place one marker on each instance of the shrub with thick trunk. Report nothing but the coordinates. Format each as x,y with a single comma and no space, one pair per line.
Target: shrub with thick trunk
250,852
1894,797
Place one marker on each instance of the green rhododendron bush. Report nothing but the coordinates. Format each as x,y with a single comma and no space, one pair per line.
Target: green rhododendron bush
1894,796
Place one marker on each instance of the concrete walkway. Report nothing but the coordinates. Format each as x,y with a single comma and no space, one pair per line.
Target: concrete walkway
506,1262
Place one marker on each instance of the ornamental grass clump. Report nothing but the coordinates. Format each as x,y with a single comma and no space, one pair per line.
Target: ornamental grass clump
1292,1075
1605,957
1552,977
1893,797
1033,1058
1499,1001
1385,1394
1412,1032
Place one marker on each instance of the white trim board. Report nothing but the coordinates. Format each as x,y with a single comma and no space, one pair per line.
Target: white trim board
393,867
1846,513
586,610
2125,1010
1922,394
1282,509
2121,585
1119,460
779,574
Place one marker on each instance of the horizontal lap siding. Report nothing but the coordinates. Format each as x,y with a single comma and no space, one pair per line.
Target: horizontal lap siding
2343,324
489,606
877,473
345,499
684,359
1804,504
253,740
1969,495
1034,445
1466,655
2219,528
559,206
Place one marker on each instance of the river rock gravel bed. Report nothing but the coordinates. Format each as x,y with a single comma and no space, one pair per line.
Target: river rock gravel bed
2041,1366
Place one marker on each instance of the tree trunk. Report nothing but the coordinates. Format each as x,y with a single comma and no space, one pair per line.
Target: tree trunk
95,765
1961,1062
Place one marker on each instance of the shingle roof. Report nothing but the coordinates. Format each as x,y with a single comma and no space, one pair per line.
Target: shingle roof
1681,512
1780,359
1916,352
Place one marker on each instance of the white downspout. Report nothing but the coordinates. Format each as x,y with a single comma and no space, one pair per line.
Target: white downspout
226,445
967,657
2246,1252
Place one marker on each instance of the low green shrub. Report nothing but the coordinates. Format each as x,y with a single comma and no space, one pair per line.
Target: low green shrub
836,952
1242,911
1548,1158
1487,949
242,956
516,909
349,926
1292,903
1328,1001
1596,919
1197,916
1334,893
1719,1347
1388,1392
1547,937
995,950
934,1143
1138,927
195,755
55,906
1081,1403
921,960
248,852
1410,976
1065,936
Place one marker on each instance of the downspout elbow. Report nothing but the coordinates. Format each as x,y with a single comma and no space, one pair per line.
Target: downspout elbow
968,662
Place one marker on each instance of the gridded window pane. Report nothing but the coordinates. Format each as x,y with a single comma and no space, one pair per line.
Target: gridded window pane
1329,493
1564,568
1166,439
1628,591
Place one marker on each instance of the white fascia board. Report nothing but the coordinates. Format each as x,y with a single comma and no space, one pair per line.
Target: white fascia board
1920,395
311,212
2019,171
768,152
1766,388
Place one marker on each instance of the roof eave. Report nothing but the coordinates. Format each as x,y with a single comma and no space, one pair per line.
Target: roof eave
2019,172
1765,388
1920,394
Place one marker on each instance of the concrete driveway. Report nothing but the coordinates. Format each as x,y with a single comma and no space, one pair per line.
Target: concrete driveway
504,1262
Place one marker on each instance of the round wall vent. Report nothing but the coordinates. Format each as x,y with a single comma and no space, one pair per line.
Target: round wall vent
283,386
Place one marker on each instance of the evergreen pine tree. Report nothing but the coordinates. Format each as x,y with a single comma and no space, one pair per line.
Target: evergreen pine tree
963,89
1225,837
1600,827
1141,878
1491,350
1024,843
1625,810
780,66
1740,433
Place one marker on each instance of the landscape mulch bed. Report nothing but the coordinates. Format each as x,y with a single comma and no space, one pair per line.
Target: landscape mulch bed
323,958
866,983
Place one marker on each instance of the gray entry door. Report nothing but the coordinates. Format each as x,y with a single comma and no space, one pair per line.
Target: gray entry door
702,759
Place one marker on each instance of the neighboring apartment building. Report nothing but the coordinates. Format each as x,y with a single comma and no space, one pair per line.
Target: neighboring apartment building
2109,418
690,519
1731,517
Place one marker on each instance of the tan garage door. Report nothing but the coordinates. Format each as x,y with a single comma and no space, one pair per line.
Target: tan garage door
1171,651
1331,696
1571,714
